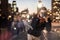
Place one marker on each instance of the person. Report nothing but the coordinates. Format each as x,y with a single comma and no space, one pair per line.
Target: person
48,23
42,23
38,24
32,33
13,25
18,24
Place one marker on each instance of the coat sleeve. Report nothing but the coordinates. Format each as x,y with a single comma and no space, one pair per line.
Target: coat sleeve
27,26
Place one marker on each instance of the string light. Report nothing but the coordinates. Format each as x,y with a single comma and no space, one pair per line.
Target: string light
55,7
56,2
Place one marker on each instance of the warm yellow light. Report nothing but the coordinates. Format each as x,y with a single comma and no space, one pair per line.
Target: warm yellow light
58,31
48,13
56,12
56,2
14,6
57,17
55,7
29,21
44,31
54,29
24,12
9,16
14,9
23,15
28,16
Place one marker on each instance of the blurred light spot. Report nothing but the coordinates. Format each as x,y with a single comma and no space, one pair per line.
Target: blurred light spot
23,15
28,16
54,29
44,31
9,16
58,31
14,28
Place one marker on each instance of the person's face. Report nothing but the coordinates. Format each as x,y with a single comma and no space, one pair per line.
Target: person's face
18,18
15,19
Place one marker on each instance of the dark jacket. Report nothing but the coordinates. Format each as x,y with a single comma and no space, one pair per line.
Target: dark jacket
48,25
19,25
35,22
37,27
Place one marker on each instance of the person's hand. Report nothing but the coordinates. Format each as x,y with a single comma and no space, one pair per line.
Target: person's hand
46,19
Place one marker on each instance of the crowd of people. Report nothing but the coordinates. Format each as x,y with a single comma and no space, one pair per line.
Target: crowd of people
38,23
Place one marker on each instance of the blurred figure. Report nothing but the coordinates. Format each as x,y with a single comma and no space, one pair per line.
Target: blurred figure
18,24
42,23
38,24
26,24
48,23
13,25
33,34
